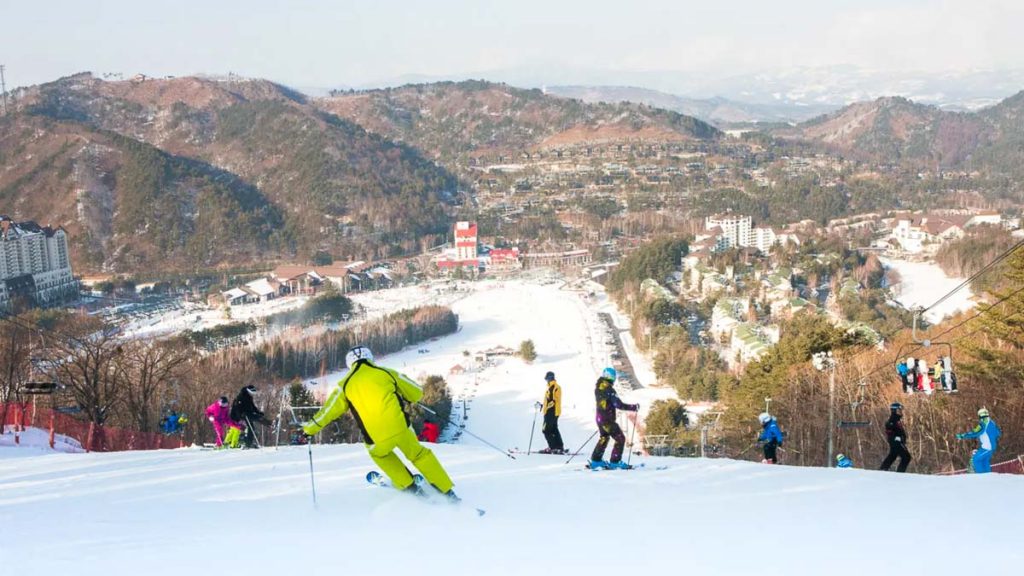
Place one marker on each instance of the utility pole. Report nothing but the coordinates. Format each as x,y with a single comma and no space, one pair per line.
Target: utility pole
825,361
3,88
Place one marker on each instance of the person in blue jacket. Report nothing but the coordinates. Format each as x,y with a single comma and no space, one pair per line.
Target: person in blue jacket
771,436
987,433
843,461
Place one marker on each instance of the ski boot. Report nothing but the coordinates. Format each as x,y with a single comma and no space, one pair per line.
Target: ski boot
598,465
452,497
620,465
416,488
545,451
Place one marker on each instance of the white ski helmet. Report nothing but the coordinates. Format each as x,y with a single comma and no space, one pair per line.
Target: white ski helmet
764,418
356,354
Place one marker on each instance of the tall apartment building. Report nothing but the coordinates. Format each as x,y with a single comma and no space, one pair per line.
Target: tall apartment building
465,241
735,230
34,263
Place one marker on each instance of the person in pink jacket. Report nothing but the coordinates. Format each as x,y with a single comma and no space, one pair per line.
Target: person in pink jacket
218,414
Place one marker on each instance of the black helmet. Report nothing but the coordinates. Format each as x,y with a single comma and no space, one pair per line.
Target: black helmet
549,376
895,406
224,400
251,389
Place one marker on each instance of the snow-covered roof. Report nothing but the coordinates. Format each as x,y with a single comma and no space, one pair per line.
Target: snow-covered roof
261,287
234,294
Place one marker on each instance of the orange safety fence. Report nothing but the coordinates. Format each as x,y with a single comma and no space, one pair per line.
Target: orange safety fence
92,437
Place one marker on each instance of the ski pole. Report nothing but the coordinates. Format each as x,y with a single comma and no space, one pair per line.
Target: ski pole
312,483
631,436
580,449
532,428
470,433
752,444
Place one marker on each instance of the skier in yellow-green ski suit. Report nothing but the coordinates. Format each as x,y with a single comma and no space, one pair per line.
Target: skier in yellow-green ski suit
377,397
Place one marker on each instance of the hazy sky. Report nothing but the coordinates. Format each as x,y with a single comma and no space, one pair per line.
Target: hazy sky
318,44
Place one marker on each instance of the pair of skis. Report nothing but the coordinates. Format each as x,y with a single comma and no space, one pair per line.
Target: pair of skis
375,478
640,466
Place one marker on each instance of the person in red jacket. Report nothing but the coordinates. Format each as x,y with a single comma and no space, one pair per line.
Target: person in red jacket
430,432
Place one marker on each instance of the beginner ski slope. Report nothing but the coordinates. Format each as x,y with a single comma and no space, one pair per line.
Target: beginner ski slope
185,512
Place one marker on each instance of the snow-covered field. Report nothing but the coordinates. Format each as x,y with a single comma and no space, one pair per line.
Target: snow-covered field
199,512
195,511
922,283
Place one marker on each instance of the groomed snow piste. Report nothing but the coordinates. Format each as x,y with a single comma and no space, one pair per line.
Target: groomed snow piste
193,511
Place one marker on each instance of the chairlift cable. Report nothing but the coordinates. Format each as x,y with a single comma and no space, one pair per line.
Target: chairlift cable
983,270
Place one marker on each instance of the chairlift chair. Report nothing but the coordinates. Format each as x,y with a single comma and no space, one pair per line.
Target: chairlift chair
942,369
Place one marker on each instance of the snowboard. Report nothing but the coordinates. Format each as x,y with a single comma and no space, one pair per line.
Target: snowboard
375,478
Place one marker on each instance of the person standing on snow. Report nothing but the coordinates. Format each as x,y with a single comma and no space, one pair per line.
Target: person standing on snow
771,436
377,397
430,432
552,409
987,433
607,402
245,412
219,414
896,435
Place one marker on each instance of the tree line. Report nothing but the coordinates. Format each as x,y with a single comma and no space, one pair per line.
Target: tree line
107,380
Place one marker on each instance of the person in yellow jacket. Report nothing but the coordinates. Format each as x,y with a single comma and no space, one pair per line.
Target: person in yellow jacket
552,410
377,397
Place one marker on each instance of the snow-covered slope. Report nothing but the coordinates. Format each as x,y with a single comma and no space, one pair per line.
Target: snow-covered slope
191,511
201,512
569,339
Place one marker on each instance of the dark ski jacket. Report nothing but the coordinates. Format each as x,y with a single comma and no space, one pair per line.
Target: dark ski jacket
244,406
894,430
608,401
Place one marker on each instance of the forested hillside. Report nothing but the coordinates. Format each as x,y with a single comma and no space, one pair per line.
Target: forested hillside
302,179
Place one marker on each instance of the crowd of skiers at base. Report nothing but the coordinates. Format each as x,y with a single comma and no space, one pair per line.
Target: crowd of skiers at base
917,376
986,432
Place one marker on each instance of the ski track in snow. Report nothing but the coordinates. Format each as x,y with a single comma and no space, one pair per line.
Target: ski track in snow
197,511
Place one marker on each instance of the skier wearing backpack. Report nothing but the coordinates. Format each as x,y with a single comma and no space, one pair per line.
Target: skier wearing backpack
771,436
607,402
896,435
552,410
987,433
377,397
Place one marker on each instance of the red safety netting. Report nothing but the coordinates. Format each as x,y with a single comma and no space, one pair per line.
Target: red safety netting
1015,466
92,437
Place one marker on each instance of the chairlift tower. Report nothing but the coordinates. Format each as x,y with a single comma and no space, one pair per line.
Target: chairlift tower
3,88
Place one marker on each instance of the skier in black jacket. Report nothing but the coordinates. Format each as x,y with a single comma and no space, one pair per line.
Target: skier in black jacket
896,434
244,411
607,402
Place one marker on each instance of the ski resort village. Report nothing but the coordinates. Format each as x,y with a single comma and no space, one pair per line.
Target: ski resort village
507,353
531,289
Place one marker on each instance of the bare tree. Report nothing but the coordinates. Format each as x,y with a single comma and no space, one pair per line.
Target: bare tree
146,370
86,355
